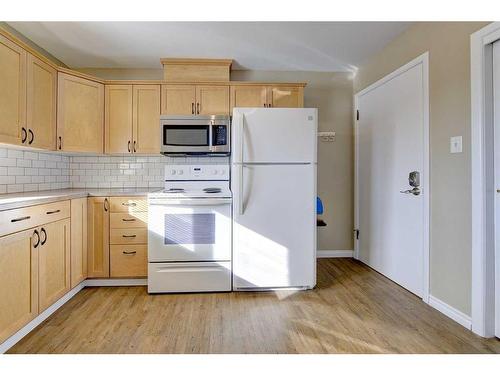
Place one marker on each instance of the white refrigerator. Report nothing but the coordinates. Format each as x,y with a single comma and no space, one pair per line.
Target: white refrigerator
273,180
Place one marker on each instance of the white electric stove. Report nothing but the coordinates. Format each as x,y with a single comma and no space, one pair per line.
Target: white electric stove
189,230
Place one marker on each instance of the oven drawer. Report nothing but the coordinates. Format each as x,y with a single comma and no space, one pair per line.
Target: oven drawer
128,204
128,260
189,277
128,220
129,236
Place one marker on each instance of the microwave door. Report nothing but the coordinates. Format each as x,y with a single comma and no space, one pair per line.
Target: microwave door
186,136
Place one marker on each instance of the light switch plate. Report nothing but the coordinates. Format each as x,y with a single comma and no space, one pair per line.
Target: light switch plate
456,144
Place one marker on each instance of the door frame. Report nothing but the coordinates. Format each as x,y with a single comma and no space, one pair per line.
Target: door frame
482,180
424,61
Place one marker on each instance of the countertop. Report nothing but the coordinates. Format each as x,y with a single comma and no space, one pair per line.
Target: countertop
18,200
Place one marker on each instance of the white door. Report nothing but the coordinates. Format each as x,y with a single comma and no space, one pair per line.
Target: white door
279,135
391,145
274,226
496,109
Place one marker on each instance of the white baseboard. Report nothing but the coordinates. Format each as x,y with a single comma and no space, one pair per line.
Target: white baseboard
16,337
451,312
116,282
334,253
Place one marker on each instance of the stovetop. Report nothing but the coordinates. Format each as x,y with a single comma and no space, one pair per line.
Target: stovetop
195,181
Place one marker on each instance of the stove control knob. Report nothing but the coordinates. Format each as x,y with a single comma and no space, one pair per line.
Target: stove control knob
181,172
222,171
172,171
214,172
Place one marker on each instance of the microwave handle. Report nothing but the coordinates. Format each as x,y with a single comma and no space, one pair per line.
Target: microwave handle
210,136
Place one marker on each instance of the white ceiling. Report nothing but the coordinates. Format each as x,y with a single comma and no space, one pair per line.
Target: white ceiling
307,46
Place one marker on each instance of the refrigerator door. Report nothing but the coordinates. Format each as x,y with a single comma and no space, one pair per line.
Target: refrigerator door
274,135
274,226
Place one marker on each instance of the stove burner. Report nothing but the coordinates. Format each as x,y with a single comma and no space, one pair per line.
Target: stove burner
174,190
212,190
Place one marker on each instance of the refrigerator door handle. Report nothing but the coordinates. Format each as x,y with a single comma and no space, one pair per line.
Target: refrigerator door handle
242,139
240,196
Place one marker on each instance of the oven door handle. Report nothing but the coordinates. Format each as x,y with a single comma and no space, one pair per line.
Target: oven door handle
191,202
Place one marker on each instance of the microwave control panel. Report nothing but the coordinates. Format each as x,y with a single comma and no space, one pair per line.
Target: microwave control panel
219,135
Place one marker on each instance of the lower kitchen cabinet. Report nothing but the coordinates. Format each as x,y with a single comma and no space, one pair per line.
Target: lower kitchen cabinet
53,262
19,280
78,241
98,237
129,260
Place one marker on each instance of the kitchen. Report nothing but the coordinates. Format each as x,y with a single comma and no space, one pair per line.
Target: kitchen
190,204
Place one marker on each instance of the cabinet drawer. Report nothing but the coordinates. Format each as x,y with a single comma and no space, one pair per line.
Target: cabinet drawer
28,217
128,204
189,277
128,220
129,260
129,236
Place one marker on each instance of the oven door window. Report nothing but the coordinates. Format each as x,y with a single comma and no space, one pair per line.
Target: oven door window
189,229
186,135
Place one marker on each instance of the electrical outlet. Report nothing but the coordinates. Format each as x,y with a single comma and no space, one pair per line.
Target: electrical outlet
327,136
456,144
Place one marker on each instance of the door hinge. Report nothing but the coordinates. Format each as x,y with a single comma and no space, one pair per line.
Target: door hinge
356,233
357,115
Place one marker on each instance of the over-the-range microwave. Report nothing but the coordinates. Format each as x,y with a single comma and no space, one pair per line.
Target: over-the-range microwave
195,135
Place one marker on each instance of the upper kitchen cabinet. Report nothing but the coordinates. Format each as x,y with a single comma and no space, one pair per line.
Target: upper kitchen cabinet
248,96
146,119
212,100
12,92
285,96
118,119
80,114
178,99
132,118
195,100
244,94
41,104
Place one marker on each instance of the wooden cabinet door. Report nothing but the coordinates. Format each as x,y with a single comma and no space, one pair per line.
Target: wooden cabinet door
19,280
41,104
146,119
212,100
248,96
78,241
285,97
178,99
12,92
53,262
98,237
118,119
80,114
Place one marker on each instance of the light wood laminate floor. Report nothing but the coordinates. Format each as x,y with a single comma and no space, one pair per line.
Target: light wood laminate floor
353,310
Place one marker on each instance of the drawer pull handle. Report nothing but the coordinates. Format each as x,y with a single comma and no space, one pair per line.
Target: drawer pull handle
20,219
128,219
53,212
129,235
129,204
129,252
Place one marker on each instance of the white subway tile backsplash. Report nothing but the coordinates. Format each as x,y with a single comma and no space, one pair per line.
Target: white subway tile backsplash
32,170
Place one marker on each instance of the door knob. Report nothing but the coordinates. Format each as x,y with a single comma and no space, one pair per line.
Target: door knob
414,191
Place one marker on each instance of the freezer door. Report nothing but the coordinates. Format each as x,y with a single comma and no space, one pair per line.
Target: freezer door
274,135
274,226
